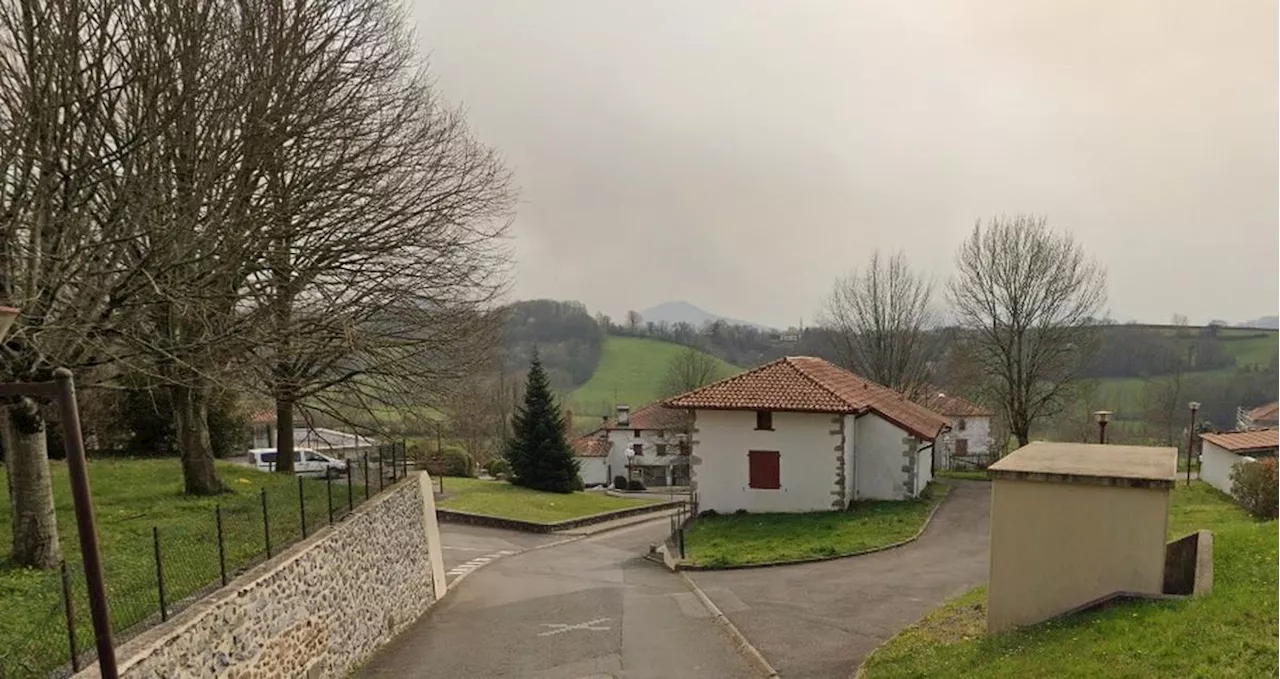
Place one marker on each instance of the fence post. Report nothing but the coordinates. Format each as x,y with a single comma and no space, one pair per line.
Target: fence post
366,476
302,507
266,523
381,476
164,609
404,459
328,493
350,504
68,609
680,540
222,547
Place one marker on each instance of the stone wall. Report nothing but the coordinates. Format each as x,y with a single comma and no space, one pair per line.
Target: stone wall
318,609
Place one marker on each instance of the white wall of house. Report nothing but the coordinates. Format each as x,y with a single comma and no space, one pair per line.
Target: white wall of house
924,467
850,460
593,470
977,431
649,439
878,447
1216,466
807,461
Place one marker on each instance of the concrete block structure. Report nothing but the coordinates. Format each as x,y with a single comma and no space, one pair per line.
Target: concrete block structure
1074,523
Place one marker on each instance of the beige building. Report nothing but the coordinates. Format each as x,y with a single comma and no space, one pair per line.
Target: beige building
1072,523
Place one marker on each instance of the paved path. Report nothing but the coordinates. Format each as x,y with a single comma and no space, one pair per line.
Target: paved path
820,620
466,548
588,608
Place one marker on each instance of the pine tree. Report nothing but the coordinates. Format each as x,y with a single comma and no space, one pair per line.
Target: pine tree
538,450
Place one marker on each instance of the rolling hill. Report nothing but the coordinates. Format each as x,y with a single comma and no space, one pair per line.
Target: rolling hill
630,373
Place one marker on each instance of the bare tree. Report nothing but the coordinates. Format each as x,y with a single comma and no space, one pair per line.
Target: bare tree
689,370
882,324
1030,296
634,321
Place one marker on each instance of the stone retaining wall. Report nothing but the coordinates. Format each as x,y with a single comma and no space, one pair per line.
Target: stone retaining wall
318,609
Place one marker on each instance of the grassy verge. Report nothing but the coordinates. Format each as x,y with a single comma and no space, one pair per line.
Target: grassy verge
742,539
501,499
131,497
1230,633
966,474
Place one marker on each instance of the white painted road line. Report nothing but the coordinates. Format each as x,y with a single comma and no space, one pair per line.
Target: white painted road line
593,625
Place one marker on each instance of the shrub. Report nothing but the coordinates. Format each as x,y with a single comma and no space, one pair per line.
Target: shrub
620,482
450,462
635,484
708,514
739,512
1254,485
498,467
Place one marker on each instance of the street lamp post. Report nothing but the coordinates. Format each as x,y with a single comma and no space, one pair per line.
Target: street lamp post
62,390
1102,417
1191,436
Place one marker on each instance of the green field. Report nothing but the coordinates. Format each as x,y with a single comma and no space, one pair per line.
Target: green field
131,497
630,373
1229,633
499,498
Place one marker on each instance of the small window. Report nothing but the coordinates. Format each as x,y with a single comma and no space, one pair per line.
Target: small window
662,448
638,449
764,420
961,424
764,470
636,433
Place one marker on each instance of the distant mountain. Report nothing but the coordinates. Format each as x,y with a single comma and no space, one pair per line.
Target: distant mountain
1267,322
684,312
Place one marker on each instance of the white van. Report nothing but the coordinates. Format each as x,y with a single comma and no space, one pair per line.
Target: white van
306,462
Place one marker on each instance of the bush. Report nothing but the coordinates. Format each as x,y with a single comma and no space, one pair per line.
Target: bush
635,484
450,462
708,514
1254,485
498,468
620,482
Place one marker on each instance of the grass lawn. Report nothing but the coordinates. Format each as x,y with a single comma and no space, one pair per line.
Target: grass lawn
630,372
967,474
130,498
1230,633
499,498
741,539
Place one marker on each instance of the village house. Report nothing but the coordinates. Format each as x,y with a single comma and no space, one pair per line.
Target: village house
644,446
1262,417
1221,452
968,441
800,434
328,441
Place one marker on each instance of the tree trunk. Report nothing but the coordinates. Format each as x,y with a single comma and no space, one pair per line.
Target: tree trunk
191,413
284,434
35,526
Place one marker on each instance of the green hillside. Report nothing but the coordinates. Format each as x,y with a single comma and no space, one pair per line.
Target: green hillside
630,373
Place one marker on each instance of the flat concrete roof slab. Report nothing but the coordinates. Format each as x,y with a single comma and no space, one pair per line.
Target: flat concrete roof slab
1090,463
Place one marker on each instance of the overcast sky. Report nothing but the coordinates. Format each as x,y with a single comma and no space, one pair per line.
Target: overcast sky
741,155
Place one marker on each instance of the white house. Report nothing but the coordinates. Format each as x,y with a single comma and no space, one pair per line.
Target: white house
800,434
968,443
328,441
1221,452
1262,417
645,445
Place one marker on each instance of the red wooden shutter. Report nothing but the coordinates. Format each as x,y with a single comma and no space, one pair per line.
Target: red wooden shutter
764,469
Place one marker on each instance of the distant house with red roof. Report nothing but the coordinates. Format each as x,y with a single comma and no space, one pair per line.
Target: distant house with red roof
1262,417
1221,452
645,445
968,441
800,434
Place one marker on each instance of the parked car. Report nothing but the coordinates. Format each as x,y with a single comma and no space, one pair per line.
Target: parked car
306,462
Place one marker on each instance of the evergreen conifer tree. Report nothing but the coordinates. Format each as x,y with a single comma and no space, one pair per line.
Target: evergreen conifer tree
538,450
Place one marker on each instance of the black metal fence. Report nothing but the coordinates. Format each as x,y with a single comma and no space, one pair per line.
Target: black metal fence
683,517
157,570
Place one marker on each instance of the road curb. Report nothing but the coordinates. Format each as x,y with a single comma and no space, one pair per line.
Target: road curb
681,566
744,646
457,516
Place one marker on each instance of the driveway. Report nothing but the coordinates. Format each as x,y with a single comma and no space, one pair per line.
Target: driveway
589,608
466,548
820,620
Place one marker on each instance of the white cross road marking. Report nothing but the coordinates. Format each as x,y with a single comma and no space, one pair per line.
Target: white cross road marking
593,625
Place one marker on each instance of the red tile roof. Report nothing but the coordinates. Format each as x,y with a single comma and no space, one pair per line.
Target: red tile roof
591,446
807,384
652,416
1245,441
1265,413
954,406
265,416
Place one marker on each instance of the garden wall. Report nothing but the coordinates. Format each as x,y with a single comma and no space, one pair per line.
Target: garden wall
318,609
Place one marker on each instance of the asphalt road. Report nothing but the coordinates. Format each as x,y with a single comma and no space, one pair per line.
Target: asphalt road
818,621
591,608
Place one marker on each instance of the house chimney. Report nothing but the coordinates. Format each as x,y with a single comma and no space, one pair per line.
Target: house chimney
624,416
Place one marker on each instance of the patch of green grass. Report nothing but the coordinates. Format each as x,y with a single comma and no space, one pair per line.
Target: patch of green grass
967,474
740,539
630,372
131,497
499,498
1229,633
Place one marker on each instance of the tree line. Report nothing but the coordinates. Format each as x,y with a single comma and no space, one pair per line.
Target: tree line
261,197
